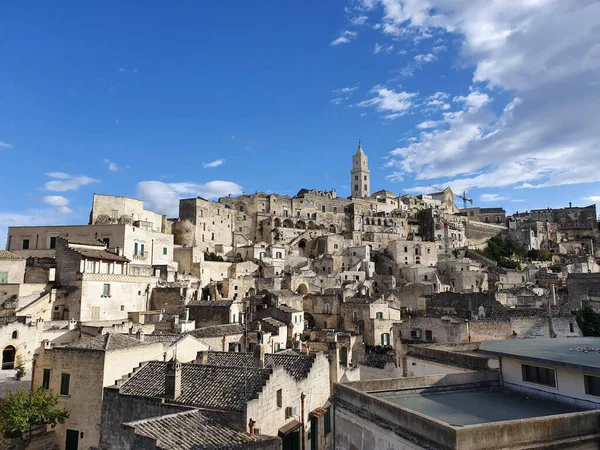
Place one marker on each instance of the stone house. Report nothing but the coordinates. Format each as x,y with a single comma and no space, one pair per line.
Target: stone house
96,284
119,209
219,312
413,252
371,317
78,373
12,268
283,395
143,246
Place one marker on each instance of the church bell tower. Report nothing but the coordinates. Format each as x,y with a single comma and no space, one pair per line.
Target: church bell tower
360,177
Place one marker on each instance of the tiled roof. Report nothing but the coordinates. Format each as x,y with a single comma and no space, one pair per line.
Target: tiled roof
298,366
85,241
99,254
165,338
218,330
192,430
5,254
213,303
273,322
106,342
203,386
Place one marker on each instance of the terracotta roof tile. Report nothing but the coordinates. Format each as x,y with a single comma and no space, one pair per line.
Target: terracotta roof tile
298,366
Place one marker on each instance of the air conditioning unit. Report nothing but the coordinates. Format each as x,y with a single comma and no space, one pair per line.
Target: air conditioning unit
291,411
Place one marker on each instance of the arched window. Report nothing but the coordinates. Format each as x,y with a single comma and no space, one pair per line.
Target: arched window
327,308
15,334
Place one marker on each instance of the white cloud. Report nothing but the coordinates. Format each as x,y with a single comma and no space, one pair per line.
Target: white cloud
345,38
383,48
491,197
428,124
338,100
55,200
122,70
5,145
164,197
344,90
425,58
544,55
65,182
112,166
593,199
518,200
135,70
215,163
395,104
359,20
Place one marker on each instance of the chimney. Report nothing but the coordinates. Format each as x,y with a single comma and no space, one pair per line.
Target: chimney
259,349
139,335
187,314
202,357
72,324
173,380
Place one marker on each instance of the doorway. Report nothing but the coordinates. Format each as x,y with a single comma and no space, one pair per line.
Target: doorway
8,357
290,442
314,433
72,441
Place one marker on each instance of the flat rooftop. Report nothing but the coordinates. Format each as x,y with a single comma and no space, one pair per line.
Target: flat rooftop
474,407
581,353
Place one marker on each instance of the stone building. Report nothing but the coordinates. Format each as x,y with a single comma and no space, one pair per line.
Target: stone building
95,284
360,176
229,337
573,218
373,318
485,215
125,210
78,373
273,395
12,268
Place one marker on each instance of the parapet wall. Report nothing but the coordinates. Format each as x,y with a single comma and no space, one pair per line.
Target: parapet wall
448,354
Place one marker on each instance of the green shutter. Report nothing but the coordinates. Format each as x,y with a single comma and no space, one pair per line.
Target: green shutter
3,277
65,378
25,244
46,379
53,242
164,250
135,248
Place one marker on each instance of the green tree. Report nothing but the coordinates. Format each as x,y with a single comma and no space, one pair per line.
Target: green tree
23,411
503,250
212,257
20,366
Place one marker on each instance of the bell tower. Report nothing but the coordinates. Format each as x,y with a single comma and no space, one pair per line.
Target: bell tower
360,176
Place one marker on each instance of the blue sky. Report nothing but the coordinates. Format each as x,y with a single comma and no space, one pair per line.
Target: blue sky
208,98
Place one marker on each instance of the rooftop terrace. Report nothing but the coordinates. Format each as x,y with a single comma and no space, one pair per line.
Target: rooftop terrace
478,406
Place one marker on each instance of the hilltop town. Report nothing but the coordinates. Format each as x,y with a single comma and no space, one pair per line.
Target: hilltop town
256,319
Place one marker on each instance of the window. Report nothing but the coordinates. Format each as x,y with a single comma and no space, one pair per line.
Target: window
279,398
241,208
538,375
65,379
46,379
106,290
365,187
91,266
106,241
327,308
233,318
327,421
365,178
25,244
405,249
379,315
53,242
335,209
335,246
135,248
201,213
323,208
385,339
164,250
355,177
571,328
356,187
428,335
244,217
355,315
142,249
122,307
3,277
592,385
15,335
